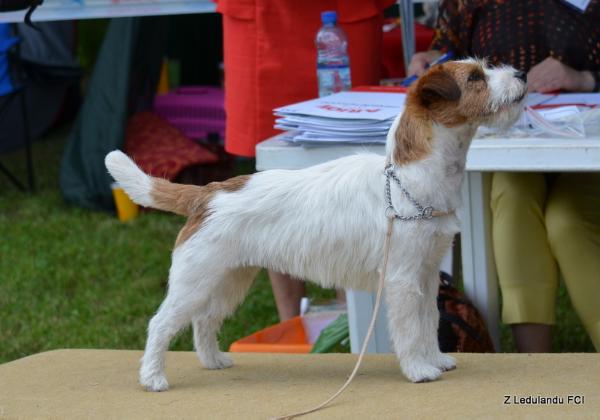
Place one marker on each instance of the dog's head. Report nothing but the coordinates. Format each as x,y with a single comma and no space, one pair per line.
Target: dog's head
470,92
456,94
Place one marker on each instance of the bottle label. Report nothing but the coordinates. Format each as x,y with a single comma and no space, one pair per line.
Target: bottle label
333,79
332,66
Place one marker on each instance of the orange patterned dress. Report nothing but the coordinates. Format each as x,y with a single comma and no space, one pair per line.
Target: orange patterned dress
521,32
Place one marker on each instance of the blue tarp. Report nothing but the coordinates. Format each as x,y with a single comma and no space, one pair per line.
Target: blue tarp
7,40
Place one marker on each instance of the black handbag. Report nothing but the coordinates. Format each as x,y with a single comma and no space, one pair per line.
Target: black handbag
14,5
461,327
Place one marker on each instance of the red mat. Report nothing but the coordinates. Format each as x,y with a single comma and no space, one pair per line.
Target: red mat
160,149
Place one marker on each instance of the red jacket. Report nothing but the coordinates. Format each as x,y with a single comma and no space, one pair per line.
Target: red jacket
270,58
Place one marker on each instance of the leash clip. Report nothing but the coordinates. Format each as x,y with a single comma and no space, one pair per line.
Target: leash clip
427,212
390,212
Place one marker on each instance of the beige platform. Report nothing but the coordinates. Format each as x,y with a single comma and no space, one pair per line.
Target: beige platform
102,384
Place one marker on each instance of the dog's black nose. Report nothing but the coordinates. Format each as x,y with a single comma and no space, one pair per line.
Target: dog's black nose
519,74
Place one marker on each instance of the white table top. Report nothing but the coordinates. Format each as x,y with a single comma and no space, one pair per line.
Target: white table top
530,154
94,9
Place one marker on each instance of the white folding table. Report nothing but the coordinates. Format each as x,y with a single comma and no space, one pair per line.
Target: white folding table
52,10
485,156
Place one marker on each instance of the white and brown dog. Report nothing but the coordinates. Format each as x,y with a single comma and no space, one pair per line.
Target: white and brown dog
327,223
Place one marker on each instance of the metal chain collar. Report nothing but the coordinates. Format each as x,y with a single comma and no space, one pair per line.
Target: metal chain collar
424,213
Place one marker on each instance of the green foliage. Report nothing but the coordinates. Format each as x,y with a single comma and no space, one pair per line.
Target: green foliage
335,338
90,34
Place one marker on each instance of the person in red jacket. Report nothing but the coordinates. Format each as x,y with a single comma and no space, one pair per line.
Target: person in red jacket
271,60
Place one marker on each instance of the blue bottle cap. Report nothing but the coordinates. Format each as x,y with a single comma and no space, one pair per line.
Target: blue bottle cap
329,17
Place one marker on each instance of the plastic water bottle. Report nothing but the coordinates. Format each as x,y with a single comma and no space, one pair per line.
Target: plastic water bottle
333,64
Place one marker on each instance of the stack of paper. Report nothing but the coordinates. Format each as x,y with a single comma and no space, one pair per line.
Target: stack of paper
365,117
346,117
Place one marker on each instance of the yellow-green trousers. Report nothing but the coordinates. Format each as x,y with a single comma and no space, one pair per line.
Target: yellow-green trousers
544,224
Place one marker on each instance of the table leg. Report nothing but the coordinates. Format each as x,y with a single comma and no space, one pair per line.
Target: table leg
360,310
407,15
479,272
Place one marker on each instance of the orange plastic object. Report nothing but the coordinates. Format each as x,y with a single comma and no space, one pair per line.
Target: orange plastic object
163,82
285,337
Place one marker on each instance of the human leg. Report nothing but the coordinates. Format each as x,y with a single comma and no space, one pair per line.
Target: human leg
532,338
573,222
287,291
526,268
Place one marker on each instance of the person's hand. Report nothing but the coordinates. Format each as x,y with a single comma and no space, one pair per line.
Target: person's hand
421,60
551,75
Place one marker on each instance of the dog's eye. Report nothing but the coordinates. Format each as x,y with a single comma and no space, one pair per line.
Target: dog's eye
475,76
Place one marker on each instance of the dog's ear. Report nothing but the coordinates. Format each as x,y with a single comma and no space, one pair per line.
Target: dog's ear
437,85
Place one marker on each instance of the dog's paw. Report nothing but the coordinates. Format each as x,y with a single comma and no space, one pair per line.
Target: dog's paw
154,383
217,360
420,371
445,362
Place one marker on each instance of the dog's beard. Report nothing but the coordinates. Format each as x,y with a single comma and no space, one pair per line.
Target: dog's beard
505,117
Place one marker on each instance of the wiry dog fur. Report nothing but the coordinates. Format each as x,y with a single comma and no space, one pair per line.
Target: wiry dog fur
327,224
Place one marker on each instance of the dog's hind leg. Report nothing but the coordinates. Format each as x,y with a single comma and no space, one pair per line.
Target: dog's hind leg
185,295
227,293
172,316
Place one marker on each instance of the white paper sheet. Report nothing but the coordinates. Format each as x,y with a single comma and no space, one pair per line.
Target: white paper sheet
591,99
535,98
559,113
350,106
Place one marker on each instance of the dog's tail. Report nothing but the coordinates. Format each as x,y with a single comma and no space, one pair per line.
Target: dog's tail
152,192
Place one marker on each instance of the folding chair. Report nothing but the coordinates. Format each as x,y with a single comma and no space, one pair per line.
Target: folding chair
9,92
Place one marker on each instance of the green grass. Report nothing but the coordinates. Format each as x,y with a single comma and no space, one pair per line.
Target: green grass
74,278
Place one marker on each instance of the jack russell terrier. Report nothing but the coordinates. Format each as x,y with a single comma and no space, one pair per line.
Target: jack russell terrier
327,223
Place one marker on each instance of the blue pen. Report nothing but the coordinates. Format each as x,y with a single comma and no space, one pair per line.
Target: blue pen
443,58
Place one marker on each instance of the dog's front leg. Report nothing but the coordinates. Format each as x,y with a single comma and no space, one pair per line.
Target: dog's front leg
413,332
